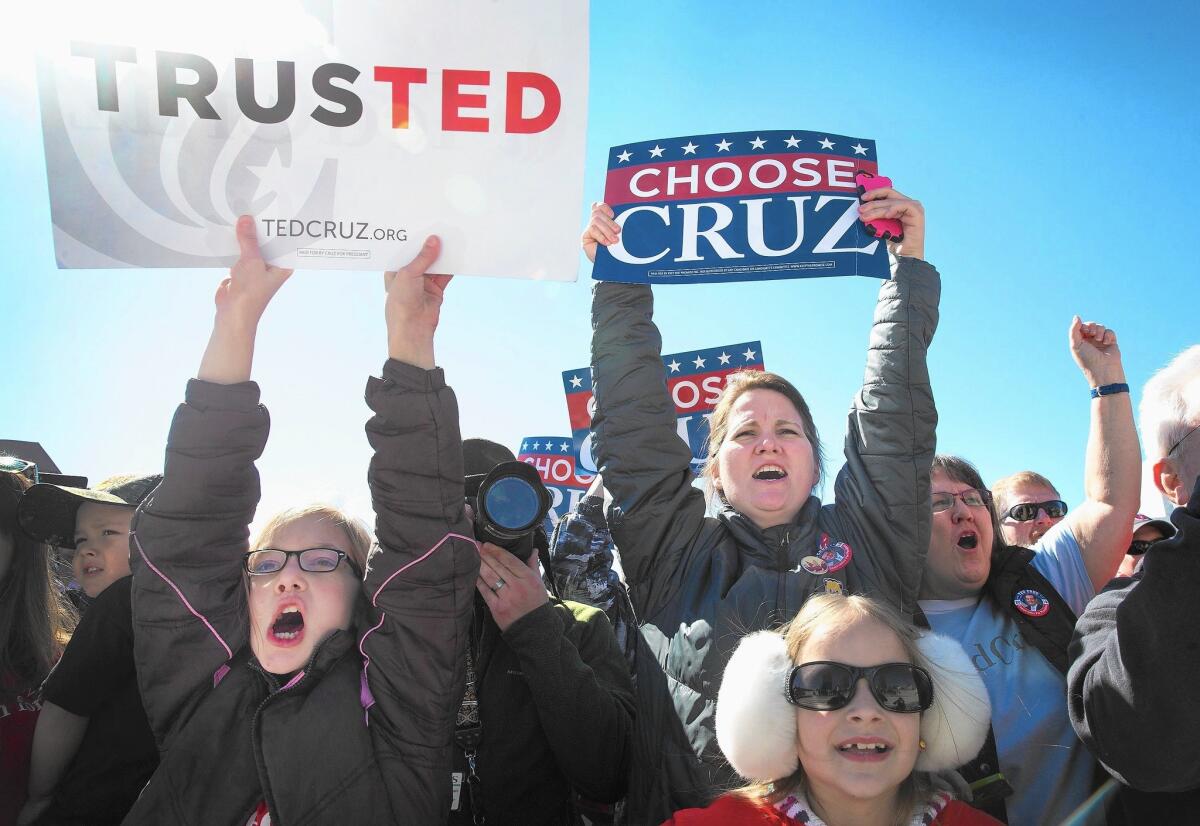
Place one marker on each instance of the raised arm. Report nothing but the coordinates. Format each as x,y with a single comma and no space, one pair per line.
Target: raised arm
646,466
420,578
1130,690
1112,471
188,537
890,439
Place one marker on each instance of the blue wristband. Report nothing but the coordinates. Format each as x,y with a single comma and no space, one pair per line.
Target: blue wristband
1109,390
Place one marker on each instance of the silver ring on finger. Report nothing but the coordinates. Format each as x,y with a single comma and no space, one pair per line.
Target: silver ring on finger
500,583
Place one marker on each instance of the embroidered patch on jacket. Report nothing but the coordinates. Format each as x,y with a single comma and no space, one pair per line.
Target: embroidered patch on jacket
1031,603
835,555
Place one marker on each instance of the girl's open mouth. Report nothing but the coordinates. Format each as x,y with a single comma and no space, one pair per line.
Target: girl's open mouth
968,541
770,473
288,627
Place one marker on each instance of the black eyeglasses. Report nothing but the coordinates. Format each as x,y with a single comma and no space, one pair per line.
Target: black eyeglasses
1028,511
970,497
313,560
1181,438
825,686
1139,546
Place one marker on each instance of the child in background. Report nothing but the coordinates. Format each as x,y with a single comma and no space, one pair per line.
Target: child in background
842,717
92,750
35,624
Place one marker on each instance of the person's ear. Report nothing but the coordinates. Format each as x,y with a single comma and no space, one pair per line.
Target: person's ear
1166,479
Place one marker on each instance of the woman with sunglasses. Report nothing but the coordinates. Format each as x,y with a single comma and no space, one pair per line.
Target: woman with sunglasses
700,582
282,686
843,717
35,623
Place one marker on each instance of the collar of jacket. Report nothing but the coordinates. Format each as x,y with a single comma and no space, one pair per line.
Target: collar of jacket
328,651
776,546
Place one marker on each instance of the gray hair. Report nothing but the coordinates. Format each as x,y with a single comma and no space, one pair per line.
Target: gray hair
1171,403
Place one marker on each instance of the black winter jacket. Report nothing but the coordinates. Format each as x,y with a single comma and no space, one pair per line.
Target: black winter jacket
556,712
699,583
1135,667
351,739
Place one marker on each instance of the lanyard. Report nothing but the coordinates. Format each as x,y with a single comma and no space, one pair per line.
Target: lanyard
468,732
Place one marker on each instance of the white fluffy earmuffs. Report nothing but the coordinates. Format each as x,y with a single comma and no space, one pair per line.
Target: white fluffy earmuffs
756,725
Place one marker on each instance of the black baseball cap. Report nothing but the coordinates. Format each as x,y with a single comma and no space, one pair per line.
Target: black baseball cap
47,512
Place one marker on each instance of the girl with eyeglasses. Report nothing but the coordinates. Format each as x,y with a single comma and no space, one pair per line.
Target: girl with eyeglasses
297,679
698,581
844,716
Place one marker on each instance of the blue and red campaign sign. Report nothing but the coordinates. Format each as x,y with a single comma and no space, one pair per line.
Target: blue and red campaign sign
554,459
695,380
739,206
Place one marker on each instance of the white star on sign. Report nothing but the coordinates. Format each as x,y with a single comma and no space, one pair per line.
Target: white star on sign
724,357
699,362
859,149
674,365
749,354
690,149
537,445
565,447
792,142
826,143
656,152
524,447
624,156
757,143
576,381
724,145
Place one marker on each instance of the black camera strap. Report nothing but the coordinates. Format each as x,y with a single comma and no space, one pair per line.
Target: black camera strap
468,733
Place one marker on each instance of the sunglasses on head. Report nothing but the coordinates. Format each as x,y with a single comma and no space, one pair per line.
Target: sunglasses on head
825,686
1028,511
12,464
970,497
312,560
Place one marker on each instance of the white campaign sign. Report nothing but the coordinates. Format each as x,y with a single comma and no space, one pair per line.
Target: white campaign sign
350,129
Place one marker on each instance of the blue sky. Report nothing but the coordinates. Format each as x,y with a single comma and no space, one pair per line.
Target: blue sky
1051,143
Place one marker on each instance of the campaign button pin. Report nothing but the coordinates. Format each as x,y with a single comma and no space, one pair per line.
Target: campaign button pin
814,565
1031,603
832,586
835,555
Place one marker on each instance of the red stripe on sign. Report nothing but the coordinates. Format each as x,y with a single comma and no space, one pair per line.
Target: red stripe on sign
578,410
732,177
700,393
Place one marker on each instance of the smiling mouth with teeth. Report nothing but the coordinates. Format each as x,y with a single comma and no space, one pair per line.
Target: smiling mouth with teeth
770,473
288,625
865,748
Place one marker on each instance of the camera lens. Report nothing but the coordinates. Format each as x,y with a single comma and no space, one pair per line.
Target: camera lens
512,503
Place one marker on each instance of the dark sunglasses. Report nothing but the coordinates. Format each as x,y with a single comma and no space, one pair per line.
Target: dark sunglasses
1028,511
825,686
312,560
970,497
1139,546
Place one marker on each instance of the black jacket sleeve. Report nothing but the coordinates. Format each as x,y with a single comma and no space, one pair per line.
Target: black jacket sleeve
890,440
1132,686
420,583
582,691
646,466
188,538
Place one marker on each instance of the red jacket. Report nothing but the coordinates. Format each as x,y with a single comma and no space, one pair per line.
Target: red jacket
735,810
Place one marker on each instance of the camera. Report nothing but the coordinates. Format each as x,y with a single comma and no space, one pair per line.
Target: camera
510,504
